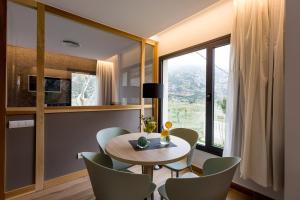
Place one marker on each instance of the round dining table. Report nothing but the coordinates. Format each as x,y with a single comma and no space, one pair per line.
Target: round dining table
122,150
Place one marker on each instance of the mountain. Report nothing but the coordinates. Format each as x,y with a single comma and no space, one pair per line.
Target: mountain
188,83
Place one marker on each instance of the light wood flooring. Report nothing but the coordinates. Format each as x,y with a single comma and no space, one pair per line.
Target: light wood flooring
80,189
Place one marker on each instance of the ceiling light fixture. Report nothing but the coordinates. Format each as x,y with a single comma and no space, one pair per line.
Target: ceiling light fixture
70,43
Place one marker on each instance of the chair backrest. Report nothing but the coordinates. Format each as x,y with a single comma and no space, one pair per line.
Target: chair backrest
212,186
104,135
190,136
110,184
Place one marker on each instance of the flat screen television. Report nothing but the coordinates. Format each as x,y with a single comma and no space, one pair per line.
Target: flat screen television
51,84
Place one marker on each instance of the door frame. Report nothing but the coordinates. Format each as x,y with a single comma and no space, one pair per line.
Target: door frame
209,46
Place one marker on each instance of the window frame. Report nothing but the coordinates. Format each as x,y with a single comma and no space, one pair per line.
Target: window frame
209,46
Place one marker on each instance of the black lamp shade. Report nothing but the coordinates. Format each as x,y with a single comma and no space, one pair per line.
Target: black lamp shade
153,90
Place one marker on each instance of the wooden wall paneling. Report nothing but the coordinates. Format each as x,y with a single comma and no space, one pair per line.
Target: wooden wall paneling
151,42
148,106
20,192
25,57
20,110
66,178
66,109
143,54
40,118
29,3
3,10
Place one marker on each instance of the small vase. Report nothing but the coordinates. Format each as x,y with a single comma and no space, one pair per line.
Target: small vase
165,140
147,136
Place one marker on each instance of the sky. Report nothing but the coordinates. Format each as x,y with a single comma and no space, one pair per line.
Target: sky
196,59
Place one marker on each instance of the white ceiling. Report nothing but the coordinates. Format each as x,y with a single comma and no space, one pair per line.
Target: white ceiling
140,17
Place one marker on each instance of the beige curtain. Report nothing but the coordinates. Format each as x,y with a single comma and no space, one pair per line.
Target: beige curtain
104,82
255,104
115,79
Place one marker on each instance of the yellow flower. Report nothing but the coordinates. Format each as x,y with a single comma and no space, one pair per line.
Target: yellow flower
164,133
168,124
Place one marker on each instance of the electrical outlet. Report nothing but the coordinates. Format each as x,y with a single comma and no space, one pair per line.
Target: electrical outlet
79,156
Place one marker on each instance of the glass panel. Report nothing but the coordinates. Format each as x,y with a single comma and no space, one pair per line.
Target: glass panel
185,99
85,66
148,68
221,72
21,54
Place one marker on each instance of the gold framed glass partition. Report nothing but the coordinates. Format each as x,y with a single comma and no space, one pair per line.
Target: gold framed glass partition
86,66
21,54
55,77
71,78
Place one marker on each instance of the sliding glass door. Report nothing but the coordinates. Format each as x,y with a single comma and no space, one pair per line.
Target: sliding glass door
185,81
195,91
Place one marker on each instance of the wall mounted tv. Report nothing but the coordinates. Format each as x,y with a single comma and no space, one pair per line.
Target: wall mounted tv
51,84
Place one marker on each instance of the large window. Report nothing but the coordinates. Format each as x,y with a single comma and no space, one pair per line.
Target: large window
195,81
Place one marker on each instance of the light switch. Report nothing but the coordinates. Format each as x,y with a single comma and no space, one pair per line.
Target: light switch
21,124
79,156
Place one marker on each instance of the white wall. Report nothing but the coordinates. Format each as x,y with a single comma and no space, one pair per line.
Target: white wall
292,101
211,23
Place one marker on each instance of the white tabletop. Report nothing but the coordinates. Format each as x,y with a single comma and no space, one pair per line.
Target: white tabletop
120,149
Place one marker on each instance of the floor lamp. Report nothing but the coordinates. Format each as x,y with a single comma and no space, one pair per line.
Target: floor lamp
153,91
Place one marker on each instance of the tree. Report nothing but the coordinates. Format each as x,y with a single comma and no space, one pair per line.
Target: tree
83,89
222,105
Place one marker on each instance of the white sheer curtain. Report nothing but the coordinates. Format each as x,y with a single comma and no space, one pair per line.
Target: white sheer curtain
254,127
104,82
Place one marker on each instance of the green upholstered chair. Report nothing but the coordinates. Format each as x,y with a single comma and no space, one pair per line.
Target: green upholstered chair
191,137
103,136
111,184
213,185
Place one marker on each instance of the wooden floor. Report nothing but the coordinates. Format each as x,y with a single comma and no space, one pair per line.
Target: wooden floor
81,189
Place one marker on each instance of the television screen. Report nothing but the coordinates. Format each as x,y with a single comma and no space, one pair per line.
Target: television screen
51,84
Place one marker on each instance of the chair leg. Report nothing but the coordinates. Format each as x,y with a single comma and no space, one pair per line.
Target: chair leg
151,197
177,174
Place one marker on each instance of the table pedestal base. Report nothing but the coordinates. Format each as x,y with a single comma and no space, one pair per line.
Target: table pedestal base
148,169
